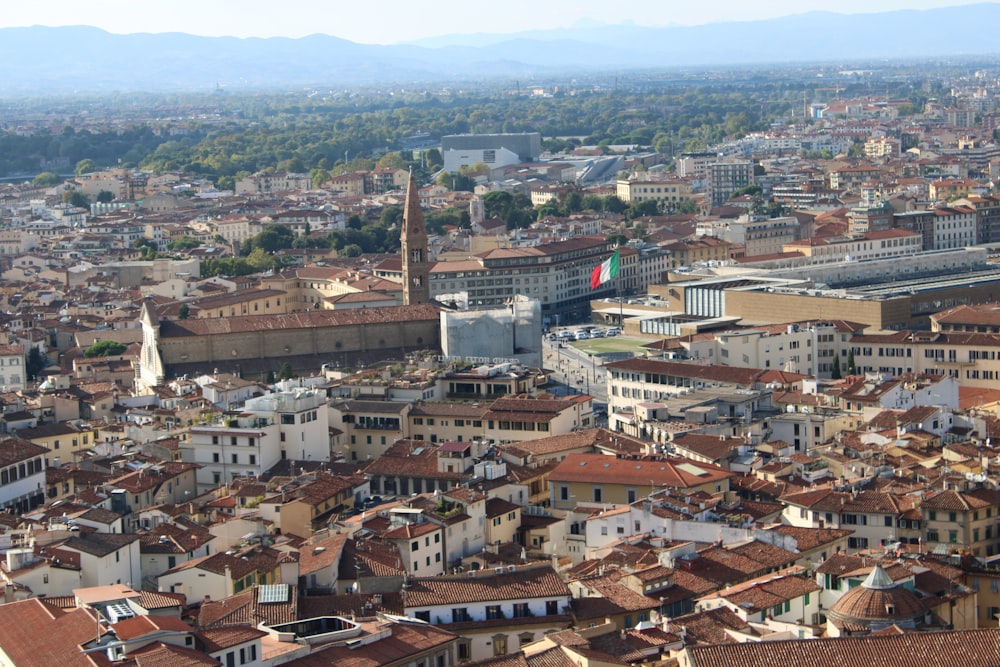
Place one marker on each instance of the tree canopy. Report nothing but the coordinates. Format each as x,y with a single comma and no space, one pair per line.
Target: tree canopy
104,348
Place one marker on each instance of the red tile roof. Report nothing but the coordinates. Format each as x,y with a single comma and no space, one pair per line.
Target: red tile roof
34,634
671,472
965,648
524,583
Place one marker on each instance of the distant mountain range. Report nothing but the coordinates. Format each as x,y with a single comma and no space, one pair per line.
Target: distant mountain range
40,60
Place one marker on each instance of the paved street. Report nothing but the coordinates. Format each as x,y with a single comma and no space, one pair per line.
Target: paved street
575,369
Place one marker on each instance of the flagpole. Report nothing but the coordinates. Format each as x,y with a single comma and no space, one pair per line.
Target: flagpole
618,289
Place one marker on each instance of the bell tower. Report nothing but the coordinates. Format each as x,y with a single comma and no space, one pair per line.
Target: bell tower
416,269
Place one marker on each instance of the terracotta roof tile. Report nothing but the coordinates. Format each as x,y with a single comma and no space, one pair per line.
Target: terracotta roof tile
525,583
966,648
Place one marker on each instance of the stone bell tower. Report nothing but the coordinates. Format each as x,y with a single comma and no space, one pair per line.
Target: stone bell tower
416,268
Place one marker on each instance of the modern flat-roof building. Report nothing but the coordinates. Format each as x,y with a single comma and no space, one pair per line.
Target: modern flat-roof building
495,150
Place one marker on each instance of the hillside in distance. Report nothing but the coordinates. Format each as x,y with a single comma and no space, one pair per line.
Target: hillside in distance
42,60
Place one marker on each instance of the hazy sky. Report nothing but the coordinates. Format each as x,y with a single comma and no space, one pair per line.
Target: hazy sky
391,21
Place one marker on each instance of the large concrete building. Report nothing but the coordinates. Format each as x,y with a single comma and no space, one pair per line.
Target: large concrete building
509,332
495,150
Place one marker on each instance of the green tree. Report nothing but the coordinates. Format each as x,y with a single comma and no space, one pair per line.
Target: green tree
104,348
182,243
271,238
183,312
36,362
593,203
572,202
391,161
851,369
748,190
351,250
392,216
285,372
446,180
433,158
47,179
835,373
75,198
261,260
318,176
85,166
105,196
612,204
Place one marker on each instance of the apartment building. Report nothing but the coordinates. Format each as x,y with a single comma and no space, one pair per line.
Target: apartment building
871,245
633,380
653,187
599,478
494,612
962,522
556,274
725,178
370,427
973,359
285,425
876,518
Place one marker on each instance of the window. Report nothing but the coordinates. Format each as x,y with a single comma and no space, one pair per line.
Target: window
464,649
459,615
499,644
493,612
552,606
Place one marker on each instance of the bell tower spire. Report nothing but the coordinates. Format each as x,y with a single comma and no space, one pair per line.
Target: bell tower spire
413,237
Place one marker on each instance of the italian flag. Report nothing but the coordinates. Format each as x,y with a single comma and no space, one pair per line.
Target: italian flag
604,271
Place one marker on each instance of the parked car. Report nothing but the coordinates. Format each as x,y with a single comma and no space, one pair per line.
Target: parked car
597,333
613,331
565,333
582,334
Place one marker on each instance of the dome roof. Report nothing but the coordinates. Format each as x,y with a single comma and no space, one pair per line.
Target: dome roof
878,602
